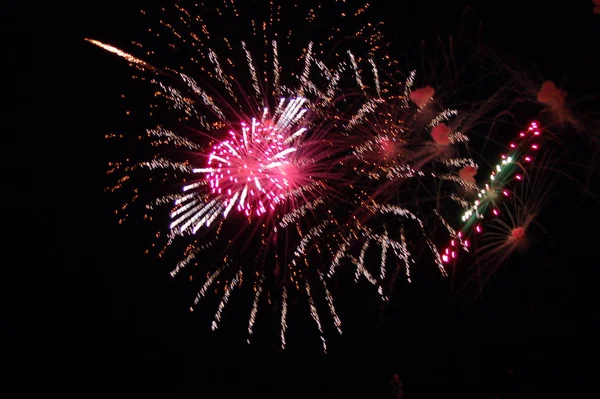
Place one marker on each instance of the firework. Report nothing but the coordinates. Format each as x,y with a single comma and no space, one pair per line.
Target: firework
511,230
522,152
256,171
288,176
408,153
251,170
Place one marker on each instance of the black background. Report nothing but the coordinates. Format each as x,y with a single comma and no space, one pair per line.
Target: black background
89,316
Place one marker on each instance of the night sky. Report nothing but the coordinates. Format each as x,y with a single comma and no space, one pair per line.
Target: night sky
89,316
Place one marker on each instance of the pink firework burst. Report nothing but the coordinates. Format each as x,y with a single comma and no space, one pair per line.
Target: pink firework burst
252,170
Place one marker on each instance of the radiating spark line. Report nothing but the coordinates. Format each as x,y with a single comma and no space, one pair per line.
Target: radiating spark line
208,283
234,282
254,311
336,319
284,304
315,315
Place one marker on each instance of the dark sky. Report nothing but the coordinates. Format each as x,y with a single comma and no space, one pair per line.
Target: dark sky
89,316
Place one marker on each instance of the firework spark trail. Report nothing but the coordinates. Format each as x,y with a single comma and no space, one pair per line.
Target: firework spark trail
166,199
184,263
254,311
255,83
308,60
336,319
162,163
178,100
464,243
191,83
333,78
404,254
366,108
284,305
300,212
172,138
399,249
376,77
408,87
338,256
384,248
121,53
234,282
221,75
405,213
208,283
357,74
276,77
315,314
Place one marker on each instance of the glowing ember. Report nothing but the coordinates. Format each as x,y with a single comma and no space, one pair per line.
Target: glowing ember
550,95
421,97
517,234
441,134
468,174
